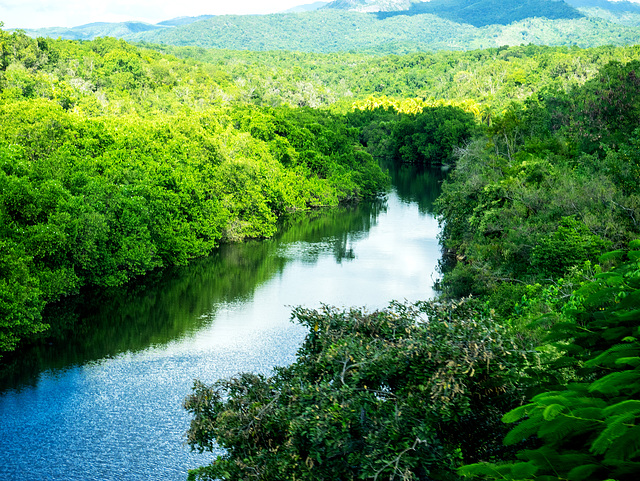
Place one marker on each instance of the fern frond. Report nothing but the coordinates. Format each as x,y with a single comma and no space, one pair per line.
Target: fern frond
631,406
518,413
629,361
613,383
564,427
625,317
553,397
552,411
583,472
552,461
590,413
524,471
495,471
626,470
522,431
626,448
619,254
616,427
613,354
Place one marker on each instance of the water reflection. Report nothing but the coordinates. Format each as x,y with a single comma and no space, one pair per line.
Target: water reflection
165,305
416,184
106,404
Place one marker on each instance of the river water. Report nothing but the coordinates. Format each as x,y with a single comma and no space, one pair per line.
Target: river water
106,404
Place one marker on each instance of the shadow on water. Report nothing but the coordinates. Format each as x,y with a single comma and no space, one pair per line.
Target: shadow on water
168,304
416,183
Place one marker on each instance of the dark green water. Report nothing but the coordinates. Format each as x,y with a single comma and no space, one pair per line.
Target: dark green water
106,403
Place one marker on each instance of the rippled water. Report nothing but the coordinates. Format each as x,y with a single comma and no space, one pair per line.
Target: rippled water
106,405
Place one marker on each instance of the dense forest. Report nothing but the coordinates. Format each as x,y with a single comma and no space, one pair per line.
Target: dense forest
119,159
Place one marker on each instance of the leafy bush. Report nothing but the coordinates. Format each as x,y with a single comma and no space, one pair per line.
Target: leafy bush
410,391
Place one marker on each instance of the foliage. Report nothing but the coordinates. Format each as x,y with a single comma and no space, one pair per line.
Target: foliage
92,195
108,76
116,160
407,392
588,430
429,136
538,199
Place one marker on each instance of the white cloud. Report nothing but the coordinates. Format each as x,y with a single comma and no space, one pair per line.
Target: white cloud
71,13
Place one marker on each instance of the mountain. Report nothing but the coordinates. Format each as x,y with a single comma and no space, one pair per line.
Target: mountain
93,30
334,30
619,6
620,12
371,5
180,21
309,7
387,26
478,13
109,29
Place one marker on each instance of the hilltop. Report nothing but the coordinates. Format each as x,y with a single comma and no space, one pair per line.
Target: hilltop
390,26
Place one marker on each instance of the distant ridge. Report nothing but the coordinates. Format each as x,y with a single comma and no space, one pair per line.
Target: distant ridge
478,13
422,26
90,31
309,7
179,21
371,5
332,30
622,6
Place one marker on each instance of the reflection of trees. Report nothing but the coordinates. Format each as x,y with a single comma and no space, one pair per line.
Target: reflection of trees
415,183
306,237
165,305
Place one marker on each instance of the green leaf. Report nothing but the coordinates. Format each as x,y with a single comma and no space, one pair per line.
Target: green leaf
631,361
611,255
615,382
524,470
483,469
616,428
580,473
552,411
631,406
522,431
518,413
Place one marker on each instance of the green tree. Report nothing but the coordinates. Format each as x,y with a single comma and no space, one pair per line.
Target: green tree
409,392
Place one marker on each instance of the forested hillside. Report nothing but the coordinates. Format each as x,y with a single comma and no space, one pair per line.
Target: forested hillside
385,27
339,31
489,12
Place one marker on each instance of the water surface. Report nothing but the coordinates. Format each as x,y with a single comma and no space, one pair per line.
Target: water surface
106,404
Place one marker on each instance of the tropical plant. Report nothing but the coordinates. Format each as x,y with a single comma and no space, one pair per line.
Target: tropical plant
590,429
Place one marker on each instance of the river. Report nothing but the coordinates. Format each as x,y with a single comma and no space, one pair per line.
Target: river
106,404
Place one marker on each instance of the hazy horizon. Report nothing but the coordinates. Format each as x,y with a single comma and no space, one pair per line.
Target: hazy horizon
33,14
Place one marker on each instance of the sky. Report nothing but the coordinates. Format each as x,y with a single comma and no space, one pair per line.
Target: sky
71,13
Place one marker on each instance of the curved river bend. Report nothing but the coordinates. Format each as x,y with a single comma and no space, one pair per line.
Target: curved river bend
105,405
